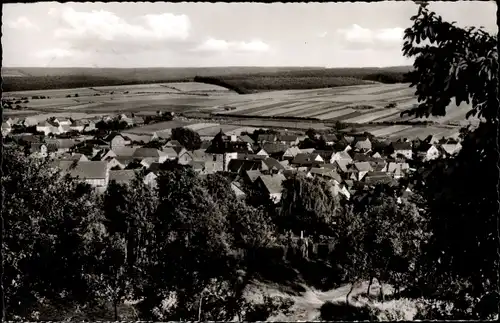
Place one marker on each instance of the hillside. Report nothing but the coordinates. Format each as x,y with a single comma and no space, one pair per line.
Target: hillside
246,78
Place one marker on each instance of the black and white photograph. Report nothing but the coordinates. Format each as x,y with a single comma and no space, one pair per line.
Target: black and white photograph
196,161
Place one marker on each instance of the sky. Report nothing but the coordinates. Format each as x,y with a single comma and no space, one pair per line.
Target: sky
160,34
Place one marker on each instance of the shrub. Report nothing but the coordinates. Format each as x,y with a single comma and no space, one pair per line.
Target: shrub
337,311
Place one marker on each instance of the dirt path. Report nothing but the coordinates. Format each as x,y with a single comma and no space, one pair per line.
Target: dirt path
307,305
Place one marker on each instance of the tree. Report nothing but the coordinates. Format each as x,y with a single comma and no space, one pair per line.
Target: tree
50,225
188,138
308,204
459,64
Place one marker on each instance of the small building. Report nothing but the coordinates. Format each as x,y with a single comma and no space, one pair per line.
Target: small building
401,149
123,176
289,140
94,173
272,185
117,140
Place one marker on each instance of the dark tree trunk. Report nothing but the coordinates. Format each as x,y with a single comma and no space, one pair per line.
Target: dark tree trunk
349,294
115,305
369,286
382,296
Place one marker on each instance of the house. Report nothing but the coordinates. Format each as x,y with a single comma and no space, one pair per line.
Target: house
170,153
143,139
6,128
263,138
306,160
327,155
148,161
375,178
116,140
427,152
330,139
94,173
273,149
238,166
247,139
64,122
290,153
236,187
272,185
137,121
378,164
151,179
401,149
359,170
44,127
251,175
196,155
73,157
363,144
341,155
38,150
273,165
324,172
123,151
172,143
123,176
113,163
77,125
90,126
62,145
397,170
141,153
289,140
450,148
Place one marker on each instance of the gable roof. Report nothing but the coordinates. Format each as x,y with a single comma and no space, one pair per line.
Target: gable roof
124,151
363,143
112,136
325,154
330,138
306,159
288,138
253,174
273,183
123,176
237,165
377,178
84,169
274,147
247,139
401,145
363,167
173,143
343,155
147,152
273,164
138,138
266,137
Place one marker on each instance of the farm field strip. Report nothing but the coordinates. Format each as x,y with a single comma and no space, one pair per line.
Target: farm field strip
257,111
346,116
199,126
372,116
335,114
212,131
282,124
284,110
329,108
246,106
316,109
390,130
160,126
394,88
409,133
239,130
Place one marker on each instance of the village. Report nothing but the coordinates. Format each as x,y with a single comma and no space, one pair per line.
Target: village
97,155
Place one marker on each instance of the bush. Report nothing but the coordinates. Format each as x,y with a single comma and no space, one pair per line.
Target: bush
339,311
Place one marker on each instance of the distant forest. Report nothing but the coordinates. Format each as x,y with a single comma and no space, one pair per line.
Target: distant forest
239,79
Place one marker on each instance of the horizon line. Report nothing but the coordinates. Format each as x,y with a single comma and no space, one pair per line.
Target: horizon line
192,67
